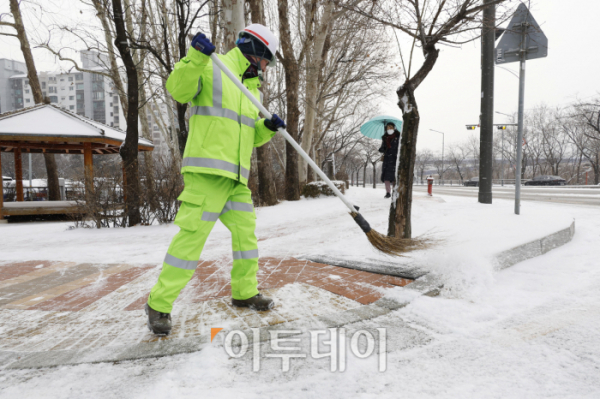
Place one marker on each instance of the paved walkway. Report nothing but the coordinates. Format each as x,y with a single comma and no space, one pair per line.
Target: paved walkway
54,306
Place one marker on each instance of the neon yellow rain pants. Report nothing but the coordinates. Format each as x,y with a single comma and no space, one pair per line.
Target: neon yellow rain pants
205,199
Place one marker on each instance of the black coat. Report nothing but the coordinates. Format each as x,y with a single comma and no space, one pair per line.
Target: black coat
388,172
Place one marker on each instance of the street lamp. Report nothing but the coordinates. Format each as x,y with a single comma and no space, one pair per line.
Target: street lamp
441,174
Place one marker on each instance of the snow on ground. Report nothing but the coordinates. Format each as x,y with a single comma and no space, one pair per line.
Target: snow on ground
310,226
531,331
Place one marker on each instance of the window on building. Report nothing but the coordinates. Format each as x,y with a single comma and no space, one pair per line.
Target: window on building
43,85
156,128
79,86
71,98
70,88
98,95
53,99
26,91
117,119
52,89
111,104
43,94
27,100
99,112
111,114
78,76
79,96
115,99
26,82
70,78
71,107
62,98
116,110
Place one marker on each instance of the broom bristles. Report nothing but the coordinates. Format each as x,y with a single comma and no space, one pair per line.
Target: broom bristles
394,245
397,246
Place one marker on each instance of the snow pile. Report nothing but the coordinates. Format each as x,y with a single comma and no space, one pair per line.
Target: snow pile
465,274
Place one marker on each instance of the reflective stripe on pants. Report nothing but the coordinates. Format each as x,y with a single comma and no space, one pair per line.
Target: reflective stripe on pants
210,198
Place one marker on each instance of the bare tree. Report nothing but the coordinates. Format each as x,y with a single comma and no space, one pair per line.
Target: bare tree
428,24
423,160
291,65
129,149
582,126
267,192
36,90
457,157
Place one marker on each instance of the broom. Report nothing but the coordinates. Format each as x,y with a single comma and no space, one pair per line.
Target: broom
388,245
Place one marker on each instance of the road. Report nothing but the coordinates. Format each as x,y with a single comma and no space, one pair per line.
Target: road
577,196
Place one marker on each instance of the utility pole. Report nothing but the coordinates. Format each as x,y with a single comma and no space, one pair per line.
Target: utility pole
486,137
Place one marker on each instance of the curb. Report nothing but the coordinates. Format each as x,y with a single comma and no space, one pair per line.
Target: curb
534,248
370,265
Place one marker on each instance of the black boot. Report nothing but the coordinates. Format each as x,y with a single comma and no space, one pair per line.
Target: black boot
388,195
257,302
159,323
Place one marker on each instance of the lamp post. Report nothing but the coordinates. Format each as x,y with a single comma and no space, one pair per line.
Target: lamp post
441,174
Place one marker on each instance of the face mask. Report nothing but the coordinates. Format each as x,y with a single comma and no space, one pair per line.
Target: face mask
390,131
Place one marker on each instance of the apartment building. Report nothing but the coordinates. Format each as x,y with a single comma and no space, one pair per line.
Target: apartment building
8,68
89,94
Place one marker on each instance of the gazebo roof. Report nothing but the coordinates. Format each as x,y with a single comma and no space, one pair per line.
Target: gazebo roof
47,128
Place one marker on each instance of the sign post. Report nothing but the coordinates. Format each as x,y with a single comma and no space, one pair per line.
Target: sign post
523,40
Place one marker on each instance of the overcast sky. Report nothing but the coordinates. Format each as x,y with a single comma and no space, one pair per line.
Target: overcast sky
449,98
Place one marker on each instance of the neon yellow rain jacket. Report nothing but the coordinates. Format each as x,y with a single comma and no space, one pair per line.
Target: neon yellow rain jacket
224,124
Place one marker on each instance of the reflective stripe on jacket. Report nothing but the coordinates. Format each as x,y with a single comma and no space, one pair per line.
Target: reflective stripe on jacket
224,124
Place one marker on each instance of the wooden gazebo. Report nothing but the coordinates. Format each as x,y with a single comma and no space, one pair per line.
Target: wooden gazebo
46,128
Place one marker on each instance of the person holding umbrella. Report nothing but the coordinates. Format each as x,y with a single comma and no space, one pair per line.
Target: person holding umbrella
389,147
385,128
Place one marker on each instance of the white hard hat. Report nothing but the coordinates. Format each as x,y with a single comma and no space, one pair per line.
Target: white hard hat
267,37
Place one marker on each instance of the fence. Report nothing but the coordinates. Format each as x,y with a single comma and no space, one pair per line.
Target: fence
38,190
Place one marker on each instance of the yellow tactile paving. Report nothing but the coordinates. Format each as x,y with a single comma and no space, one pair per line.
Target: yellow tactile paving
37,274
51,293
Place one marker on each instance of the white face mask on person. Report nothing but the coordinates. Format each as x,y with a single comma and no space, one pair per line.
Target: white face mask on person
390,131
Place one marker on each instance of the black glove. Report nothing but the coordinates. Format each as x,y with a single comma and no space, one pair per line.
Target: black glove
274,123
201,43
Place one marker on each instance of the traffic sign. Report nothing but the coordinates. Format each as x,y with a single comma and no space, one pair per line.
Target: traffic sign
523,34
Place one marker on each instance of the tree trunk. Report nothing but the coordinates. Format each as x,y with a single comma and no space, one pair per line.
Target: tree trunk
399,222
365,174
50,161
233,13
129,149
374,174
139,59
314,64
267,192
292,82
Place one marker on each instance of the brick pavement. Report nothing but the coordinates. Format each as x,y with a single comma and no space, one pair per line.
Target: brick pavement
64,305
